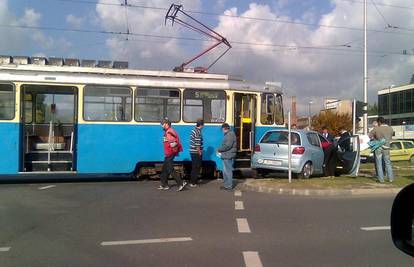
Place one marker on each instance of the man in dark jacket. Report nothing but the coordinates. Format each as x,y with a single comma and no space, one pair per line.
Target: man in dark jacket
327,134
227,152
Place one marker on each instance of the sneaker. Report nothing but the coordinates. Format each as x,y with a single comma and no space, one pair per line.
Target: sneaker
181,187
193,185
225,188
163,187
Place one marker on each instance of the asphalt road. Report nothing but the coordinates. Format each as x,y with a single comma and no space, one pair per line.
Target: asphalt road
67,224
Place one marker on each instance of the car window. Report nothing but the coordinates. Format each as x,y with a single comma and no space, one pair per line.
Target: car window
313,139
280,137
408,145
396,146
322,139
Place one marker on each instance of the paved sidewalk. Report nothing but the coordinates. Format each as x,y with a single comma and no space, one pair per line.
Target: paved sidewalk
269,186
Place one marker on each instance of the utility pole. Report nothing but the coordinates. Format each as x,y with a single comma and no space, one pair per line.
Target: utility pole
310,114
365,118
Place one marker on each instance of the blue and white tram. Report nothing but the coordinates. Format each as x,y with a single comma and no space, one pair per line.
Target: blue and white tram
96,120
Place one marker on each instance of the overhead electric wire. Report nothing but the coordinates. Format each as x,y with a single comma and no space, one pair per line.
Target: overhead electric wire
322,47
240,17
381,4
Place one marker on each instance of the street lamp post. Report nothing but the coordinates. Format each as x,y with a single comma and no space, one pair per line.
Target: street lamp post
309,114
389,104
403,123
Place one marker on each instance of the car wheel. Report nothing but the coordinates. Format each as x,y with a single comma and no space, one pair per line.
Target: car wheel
412,159
307,171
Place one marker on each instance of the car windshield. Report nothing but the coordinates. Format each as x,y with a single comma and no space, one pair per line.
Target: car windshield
280,137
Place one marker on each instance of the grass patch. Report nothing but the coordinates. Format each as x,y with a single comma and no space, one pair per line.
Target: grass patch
403,178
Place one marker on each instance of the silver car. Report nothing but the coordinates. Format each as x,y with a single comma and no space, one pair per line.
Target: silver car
271,153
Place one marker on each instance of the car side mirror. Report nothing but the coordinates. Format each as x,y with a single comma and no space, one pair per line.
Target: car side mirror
402,220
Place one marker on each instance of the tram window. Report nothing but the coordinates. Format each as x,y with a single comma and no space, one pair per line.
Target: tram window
206,104
28,108
153,105
279,119
103,103
7,105
53,108
267,114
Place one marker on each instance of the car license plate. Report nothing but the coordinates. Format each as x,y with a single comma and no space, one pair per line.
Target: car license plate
272,162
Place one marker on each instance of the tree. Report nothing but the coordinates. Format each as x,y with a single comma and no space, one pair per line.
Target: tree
372,109
333,121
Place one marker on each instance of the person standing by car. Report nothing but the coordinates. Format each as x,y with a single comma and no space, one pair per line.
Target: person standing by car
227,151
329,159
328,136
344,141
172,146
196,151
383,131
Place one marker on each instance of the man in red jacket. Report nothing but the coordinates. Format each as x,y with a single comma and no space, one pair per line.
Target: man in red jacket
172,146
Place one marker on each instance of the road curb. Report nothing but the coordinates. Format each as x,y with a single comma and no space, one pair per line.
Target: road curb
318,192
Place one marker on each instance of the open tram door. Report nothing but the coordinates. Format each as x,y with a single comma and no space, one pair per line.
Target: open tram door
244,127
49,128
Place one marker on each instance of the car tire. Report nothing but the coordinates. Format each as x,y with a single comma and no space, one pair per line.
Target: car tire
258,173
307,171
412,159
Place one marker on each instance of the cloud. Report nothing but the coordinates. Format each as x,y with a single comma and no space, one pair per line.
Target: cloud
18,41
144,51
331,70
74,21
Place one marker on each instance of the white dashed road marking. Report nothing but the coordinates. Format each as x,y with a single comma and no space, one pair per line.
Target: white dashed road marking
145,241
238,193
252,259
376,228
243,225
4,249
238,205
46,187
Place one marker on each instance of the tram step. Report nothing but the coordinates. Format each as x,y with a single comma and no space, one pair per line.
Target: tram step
54,156
242,163
37,166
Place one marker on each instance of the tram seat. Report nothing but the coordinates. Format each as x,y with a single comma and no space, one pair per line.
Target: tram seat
43,144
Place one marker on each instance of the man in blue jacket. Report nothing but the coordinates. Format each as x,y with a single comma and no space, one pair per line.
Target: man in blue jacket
227,152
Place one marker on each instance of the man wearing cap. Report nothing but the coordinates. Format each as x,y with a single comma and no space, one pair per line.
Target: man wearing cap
227,152
172,146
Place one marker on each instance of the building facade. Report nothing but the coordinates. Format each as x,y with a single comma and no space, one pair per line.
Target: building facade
396,105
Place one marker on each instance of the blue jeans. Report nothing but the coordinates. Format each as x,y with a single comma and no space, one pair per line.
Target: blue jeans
228,173
381,154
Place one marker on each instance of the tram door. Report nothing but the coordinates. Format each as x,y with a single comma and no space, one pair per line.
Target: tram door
244,122
49,119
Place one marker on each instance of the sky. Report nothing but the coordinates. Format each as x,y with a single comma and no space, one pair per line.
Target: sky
313,47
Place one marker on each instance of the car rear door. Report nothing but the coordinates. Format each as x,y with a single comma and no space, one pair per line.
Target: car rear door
349,156
316,150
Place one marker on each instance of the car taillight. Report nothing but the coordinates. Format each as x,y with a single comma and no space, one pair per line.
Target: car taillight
298,150
257,148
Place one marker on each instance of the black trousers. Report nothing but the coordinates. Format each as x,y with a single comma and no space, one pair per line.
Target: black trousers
329,161
195,167
167,170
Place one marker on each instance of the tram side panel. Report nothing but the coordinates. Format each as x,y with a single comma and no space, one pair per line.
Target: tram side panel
9,147
112,148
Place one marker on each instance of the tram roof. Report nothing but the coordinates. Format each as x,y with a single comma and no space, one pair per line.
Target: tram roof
115,76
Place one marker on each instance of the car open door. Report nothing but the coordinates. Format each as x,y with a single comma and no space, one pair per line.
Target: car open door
348,156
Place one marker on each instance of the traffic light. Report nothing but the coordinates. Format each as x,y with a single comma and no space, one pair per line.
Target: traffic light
360,109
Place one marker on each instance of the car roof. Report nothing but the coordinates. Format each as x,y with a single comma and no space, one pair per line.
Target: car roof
299,131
